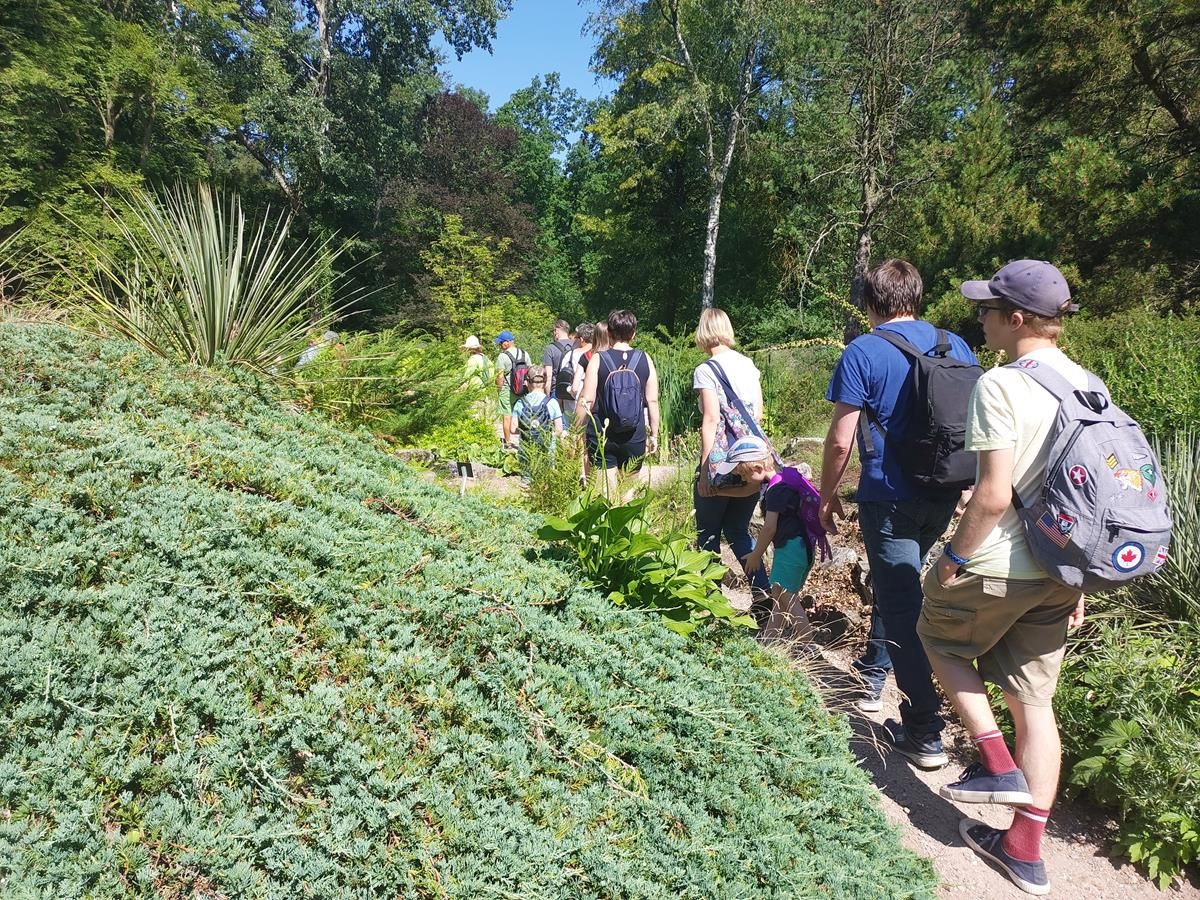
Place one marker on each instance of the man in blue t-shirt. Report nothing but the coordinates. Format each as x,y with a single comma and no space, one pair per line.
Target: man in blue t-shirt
900,522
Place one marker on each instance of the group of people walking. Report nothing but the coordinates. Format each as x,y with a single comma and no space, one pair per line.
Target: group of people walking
987,608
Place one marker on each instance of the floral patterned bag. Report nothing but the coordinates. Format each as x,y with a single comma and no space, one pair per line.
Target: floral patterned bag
736,422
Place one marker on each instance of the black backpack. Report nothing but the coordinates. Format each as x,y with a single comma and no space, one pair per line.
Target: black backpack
564,376
932,450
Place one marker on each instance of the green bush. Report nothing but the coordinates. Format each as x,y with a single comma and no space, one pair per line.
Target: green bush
794,383
1150,364
244,653
1129,701
406,387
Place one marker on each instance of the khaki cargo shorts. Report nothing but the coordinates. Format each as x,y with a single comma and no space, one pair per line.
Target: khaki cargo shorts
1017,630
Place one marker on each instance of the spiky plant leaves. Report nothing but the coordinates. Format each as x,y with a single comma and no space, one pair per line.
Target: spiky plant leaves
195,280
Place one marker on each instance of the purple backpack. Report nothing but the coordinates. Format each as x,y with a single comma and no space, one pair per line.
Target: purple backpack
807,508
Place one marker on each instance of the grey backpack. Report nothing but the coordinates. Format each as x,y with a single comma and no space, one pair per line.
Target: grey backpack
1101,517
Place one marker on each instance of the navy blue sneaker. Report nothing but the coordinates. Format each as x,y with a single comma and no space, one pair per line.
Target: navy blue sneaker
985,840
977,785
924,751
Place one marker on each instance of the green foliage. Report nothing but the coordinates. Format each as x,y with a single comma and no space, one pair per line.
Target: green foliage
794,382
410,388
1129,699
675,361
246,654
553,478
469,282
195,281
642,571
1149,362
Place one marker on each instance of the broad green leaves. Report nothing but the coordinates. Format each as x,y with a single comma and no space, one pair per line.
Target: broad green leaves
642,570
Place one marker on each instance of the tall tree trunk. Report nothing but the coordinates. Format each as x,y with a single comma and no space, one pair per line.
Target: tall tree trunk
712,227
858,281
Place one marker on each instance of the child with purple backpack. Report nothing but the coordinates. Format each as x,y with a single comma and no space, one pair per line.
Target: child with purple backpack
790,523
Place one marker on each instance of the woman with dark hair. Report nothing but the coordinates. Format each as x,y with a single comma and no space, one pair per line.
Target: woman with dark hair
618,405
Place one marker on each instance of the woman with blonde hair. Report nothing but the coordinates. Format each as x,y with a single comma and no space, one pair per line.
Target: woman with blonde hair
720,382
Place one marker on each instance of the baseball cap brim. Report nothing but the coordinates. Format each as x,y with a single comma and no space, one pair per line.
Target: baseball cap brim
979,290
724,468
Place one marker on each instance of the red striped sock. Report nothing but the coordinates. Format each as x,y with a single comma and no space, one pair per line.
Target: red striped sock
1023,840
994,753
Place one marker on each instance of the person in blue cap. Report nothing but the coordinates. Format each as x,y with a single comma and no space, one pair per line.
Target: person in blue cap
512,365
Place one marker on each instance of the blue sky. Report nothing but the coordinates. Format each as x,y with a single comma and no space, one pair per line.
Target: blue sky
538,37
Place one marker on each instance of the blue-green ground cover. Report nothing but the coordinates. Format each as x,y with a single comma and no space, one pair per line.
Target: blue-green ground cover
245,654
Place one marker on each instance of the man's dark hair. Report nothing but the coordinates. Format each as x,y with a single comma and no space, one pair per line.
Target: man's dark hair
622,324
585,331
893,288
562,325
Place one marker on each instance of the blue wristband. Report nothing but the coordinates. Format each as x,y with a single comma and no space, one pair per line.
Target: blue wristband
954,557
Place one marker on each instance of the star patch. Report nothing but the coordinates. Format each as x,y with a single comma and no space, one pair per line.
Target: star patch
1078,475
1128,556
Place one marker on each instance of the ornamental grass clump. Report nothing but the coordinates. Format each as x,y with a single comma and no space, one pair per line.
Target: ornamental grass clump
244,654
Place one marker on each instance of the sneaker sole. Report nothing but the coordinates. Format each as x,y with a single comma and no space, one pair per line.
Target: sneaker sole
869,706
964,827
1007,798
924,760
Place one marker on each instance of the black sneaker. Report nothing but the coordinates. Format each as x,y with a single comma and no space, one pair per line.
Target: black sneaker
977,785
925,751
986,841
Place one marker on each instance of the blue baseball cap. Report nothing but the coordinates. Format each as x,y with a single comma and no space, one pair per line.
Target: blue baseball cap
504,336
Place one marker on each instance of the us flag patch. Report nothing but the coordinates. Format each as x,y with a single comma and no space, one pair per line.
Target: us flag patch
1047,526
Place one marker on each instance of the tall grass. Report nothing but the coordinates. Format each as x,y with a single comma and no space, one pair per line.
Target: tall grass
195,280
1173,592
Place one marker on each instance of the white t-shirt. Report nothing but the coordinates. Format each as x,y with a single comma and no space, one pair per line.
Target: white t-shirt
1010,409
742,374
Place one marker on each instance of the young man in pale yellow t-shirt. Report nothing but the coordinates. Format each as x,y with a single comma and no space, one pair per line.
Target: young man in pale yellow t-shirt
987,601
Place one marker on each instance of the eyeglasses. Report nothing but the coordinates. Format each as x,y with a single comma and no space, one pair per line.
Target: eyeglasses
982,311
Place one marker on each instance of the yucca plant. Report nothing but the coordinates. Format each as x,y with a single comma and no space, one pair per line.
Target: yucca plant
196,280
1173,592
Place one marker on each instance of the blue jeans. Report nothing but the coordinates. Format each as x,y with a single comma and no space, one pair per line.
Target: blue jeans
875,663
730,516
898,535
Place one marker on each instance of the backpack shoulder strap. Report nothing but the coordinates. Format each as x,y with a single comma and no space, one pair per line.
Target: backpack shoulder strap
732,396
903,344
1095,398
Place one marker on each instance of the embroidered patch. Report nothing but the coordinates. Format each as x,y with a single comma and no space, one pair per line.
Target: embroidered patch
1152,494
1111,460
1148,473
1128,556
1027,363
1078,475
1128,478
1047,527
1065,523
1160,557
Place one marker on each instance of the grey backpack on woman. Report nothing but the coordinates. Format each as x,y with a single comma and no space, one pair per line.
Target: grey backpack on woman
1101,517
